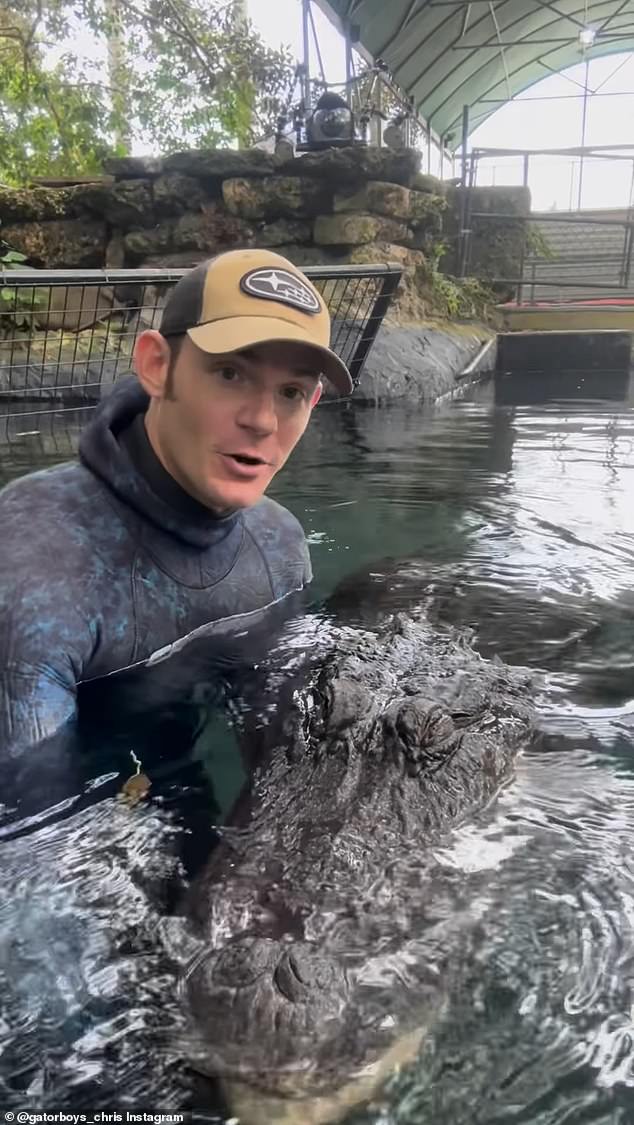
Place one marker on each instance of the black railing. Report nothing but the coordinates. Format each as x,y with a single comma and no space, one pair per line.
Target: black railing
67,336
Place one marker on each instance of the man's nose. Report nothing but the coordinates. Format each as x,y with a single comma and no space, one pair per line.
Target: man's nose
258,411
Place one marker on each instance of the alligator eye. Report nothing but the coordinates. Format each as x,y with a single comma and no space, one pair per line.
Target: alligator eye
420,733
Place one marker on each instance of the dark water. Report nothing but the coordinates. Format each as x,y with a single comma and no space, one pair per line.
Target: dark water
520,517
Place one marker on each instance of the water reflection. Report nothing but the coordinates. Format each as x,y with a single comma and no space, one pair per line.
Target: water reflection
541,1026
513,514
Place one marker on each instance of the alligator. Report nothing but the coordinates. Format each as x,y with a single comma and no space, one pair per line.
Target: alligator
320,950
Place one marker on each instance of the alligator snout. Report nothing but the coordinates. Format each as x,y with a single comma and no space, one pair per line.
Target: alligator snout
276,1001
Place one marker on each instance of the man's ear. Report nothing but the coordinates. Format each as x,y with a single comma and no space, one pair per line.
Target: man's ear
319,390
151,359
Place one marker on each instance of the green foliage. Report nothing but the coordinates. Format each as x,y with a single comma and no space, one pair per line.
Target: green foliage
11,259
477,301
16,305
464,298
46,125
537,244
79,77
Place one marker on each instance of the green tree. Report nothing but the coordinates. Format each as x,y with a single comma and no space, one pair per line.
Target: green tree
78,78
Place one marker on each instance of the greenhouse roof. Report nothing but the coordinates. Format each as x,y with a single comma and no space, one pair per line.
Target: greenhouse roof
452,53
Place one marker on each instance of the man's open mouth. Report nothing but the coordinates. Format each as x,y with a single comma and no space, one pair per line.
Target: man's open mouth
245,459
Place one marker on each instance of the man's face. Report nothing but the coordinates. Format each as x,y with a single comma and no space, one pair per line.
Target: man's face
224,425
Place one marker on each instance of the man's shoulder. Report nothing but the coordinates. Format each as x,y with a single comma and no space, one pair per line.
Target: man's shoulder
47,492
64,503
272,524
280,538
49,483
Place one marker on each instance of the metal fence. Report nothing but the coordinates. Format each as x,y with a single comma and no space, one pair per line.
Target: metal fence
554,257
577,257
40,438
563,179
67,336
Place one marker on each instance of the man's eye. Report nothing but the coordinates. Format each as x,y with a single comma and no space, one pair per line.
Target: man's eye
227,373
293,393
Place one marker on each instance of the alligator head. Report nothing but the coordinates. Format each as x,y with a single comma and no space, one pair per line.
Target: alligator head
322,932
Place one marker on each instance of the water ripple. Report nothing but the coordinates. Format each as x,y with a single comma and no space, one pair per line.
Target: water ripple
517,521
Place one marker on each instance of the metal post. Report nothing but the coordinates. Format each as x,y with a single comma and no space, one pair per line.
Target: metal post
348,42
462,253
306,55
526,164
474,168
378,120
627,270
388,288
316,42
465,142
626,266
522,262
583,130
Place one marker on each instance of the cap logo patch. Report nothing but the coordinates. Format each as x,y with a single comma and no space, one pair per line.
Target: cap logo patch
282,286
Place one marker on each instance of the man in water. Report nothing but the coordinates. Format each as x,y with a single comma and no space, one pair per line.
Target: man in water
161,531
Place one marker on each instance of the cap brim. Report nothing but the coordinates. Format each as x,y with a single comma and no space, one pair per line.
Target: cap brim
240,332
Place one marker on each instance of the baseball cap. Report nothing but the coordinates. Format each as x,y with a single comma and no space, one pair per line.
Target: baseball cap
247,297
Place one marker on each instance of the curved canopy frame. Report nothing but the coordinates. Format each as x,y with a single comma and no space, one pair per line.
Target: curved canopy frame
480,53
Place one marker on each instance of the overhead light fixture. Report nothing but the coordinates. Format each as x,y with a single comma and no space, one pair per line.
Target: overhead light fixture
587,36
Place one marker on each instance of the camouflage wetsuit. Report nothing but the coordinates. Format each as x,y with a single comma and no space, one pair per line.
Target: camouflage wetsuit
106,561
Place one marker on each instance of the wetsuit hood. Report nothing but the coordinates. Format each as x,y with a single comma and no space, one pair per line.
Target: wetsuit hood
111,446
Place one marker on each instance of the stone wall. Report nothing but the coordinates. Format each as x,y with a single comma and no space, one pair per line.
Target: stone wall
338,206
498,231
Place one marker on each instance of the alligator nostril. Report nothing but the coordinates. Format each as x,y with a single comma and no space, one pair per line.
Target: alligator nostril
295,969
287,979
303,972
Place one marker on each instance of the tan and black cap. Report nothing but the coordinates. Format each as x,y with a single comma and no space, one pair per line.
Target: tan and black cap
248,297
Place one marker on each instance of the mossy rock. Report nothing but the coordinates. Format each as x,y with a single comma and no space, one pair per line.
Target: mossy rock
220,163
386,253
140,245
430,184
354,230
311,255
174,193
34,204
126,205
60,244
356,165
283,232
376,198
275,197
426,209
213,230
